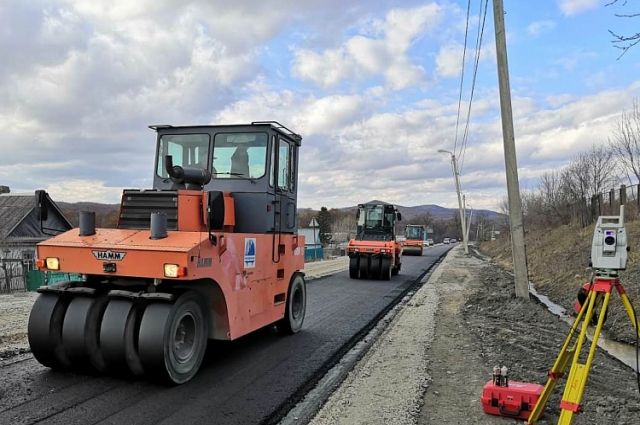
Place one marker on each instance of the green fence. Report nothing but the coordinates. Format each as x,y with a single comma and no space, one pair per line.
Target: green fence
36,278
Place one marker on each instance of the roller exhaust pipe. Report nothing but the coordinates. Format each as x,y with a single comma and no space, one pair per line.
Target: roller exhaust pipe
158,225
87,223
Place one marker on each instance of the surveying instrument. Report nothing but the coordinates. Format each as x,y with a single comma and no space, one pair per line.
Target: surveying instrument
608,256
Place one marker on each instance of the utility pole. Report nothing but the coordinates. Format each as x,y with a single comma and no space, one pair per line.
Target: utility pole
456,175
515,205
469,225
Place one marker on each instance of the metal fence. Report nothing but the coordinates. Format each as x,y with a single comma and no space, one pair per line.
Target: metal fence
13,274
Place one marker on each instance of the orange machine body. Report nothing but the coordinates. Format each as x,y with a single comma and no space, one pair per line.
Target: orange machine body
380,248
244,276
413,244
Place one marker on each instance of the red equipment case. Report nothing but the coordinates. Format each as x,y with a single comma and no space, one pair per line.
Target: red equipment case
516,400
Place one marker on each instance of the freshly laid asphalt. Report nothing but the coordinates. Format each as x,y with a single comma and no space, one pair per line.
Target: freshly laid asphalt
253,380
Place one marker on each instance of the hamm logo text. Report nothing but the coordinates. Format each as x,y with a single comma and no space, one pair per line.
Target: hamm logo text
109,255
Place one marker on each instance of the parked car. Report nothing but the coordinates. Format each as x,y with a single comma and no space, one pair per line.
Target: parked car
428,242
453,240
445,240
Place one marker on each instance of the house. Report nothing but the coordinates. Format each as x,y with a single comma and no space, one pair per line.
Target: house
312,246
20,231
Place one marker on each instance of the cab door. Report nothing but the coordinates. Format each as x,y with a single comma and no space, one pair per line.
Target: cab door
285,188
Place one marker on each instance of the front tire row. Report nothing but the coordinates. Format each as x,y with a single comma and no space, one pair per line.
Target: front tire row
164,338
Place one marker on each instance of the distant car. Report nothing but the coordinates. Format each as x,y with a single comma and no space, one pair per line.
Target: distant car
453,240
445,240
430,242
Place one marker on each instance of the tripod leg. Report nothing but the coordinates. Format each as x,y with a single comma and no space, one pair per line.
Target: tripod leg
627,306
556,372
577,380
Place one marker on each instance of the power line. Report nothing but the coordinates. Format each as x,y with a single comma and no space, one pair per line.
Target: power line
473,84
464,54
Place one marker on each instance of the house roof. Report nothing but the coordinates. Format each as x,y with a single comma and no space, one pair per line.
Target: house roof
16,208
13,209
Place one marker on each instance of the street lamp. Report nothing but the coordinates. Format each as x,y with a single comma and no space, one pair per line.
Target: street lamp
456,176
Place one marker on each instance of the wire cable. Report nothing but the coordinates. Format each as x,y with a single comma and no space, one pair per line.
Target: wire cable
465,137
464,54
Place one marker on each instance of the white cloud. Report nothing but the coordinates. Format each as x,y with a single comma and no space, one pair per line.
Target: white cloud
84,191
574,7
540,27
449,60
385,52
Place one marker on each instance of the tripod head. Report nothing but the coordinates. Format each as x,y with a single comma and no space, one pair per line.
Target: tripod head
609,247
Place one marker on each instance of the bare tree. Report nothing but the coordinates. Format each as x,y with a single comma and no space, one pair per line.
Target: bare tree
624,42
626,140
344,227
553,197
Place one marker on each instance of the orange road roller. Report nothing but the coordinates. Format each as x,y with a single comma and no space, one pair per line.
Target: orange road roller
375,253
211,252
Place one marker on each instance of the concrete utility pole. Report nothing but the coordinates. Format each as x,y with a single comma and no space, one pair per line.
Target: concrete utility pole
515,205
456,175
469,224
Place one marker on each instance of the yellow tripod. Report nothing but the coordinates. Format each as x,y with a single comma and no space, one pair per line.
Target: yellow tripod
598,295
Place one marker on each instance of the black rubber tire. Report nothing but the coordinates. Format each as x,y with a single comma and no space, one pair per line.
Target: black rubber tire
81,332
365,261
375,270
296,306
163,356
45,330
386,270
118,337
354,271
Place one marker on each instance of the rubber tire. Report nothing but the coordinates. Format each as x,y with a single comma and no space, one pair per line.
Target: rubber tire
354,271
44,330
118,337
375,272
81,332
157,336
386,269
364,266
297,294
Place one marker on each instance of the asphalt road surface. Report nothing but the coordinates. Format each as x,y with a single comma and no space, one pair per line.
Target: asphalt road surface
253,380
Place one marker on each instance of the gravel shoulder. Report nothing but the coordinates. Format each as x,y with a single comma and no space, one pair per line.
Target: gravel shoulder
14,316
431,363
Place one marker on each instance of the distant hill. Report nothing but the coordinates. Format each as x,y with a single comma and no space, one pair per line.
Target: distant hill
436,211
106,214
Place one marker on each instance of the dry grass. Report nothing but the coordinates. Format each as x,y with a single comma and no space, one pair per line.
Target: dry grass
558,260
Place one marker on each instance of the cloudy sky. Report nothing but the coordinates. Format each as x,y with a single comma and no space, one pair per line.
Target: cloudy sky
372,85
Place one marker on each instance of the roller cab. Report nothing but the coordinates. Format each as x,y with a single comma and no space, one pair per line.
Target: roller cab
414,239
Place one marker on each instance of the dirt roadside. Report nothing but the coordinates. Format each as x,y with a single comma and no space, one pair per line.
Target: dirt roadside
15,308
476,323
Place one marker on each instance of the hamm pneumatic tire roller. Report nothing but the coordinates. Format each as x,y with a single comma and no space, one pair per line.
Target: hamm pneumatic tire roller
375,253
210,253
